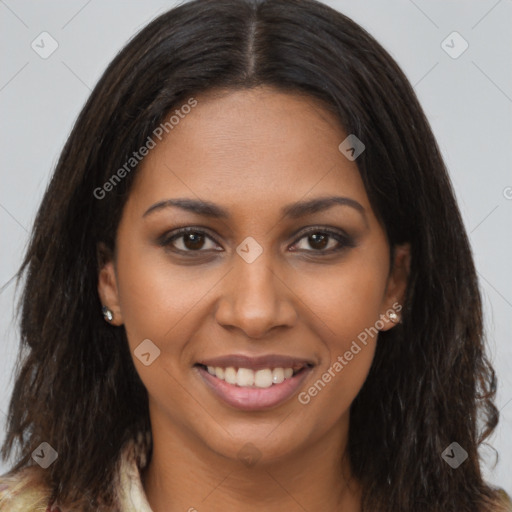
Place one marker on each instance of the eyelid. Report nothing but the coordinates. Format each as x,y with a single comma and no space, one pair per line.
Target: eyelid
338,234
323,229
345,240
174,234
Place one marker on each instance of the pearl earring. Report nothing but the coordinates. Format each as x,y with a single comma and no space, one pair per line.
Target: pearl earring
107,314
393,317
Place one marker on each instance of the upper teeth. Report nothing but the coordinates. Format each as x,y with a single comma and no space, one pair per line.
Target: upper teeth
245,377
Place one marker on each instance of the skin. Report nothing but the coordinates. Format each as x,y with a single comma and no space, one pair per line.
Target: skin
252,153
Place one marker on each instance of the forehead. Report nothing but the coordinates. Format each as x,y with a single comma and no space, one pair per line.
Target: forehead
250,149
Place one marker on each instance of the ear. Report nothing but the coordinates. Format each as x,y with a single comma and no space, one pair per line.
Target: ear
396,287
107,283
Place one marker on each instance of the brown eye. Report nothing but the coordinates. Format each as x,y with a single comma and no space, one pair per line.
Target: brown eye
188,240
193,241
318,241
324,241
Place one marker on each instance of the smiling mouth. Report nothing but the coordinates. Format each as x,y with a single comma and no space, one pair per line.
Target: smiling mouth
253,389
249,378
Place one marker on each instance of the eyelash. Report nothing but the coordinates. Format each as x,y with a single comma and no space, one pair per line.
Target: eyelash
344,240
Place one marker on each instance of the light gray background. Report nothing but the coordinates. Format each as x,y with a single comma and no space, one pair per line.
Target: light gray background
468,101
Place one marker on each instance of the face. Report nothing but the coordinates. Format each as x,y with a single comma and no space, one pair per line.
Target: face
269,275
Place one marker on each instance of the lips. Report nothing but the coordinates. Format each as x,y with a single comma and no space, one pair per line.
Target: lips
252,383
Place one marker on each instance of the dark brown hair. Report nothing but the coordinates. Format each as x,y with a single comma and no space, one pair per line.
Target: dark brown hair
430,383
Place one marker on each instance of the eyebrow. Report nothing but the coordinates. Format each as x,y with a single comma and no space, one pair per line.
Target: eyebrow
293,211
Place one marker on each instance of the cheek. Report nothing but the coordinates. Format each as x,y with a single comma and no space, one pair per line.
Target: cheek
348,301
348,354
329,396
347,298
156,299
157,303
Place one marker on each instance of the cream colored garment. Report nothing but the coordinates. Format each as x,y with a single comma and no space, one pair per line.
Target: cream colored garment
23,492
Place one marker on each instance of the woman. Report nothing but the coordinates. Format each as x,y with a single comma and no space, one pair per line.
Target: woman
325,352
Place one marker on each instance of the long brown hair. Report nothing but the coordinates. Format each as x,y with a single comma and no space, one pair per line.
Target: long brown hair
430,383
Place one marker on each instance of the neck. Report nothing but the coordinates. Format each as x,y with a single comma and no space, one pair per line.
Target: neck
186,475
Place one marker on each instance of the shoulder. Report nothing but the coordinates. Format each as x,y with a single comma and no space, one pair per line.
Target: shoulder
24,491
505,504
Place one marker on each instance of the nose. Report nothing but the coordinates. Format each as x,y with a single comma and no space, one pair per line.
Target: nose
255,299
